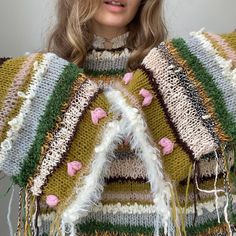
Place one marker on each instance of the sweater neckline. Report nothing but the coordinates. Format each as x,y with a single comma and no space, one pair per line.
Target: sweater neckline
117,42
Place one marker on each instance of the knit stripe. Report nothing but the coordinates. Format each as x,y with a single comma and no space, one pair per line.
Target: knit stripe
108,228
37,109
112,72
11,98
33,114
93,228
20,100
3,59
128,186
131,168
115,221
209,85
219,48
230,39
221,43
52,110
207,103
7,74
158,119
81,149
123,197
198,138
191,92
7,156
138,215
59,145
104,62
217,67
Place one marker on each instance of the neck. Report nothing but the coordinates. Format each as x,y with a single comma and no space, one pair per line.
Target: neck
107,32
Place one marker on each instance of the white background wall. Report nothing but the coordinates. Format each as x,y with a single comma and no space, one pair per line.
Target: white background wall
24,23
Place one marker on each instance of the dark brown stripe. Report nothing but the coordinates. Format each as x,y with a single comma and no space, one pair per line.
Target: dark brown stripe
155,87
3,59
124,180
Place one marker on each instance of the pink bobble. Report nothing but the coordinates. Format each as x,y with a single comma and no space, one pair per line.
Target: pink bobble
127,77
147,97
73,167
98,114
167,145
52,200
126,141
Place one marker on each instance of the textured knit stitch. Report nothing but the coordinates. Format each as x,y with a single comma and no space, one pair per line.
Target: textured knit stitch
126,183
230,54
214,64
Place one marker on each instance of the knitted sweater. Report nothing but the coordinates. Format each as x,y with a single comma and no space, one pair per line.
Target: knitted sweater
98,151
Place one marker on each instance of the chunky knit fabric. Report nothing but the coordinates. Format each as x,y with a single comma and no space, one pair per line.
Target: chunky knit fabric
101,151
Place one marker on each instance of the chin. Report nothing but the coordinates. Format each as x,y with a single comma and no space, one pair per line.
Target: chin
113,21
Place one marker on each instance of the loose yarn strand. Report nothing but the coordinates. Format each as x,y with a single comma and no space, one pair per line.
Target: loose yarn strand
9,214
19,220
215,187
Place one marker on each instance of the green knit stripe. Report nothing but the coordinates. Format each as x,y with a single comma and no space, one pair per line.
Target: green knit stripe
105,72
93,226
59,96
201,74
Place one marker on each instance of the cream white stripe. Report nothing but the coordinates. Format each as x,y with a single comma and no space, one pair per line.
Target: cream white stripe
189,126
17,122
63,136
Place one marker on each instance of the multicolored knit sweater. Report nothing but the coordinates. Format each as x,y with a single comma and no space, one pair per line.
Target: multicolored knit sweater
98,151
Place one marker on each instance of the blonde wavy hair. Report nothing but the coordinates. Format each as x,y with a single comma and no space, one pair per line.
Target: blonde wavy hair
71,38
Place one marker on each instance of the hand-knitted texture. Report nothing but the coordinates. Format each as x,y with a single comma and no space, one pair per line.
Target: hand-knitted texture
100,152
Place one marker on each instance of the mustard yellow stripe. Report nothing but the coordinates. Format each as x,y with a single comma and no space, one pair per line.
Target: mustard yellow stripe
177,163
230,39
8,71
128,186
217,46
15,111
82,149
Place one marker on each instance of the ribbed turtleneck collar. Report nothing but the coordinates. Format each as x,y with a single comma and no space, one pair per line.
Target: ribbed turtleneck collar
117,42
101,61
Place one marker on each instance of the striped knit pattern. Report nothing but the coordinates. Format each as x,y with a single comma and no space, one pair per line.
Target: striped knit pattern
87,153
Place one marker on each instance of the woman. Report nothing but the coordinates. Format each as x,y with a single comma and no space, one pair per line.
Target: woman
136,25
86,151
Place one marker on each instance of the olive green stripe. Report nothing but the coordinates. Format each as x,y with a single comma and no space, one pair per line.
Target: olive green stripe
59,96
93,226
201,74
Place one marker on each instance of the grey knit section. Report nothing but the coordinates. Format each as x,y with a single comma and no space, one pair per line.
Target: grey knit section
146,220
213,68
117,63
27,133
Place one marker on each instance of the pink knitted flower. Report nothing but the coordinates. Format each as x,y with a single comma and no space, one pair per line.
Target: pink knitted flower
73,167
97,114
52,200
167,145
127,77
147,97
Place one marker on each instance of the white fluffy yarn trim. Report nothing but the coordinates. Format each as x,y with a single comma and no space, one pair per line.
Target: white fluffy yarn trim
91,191
131,124
136,128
